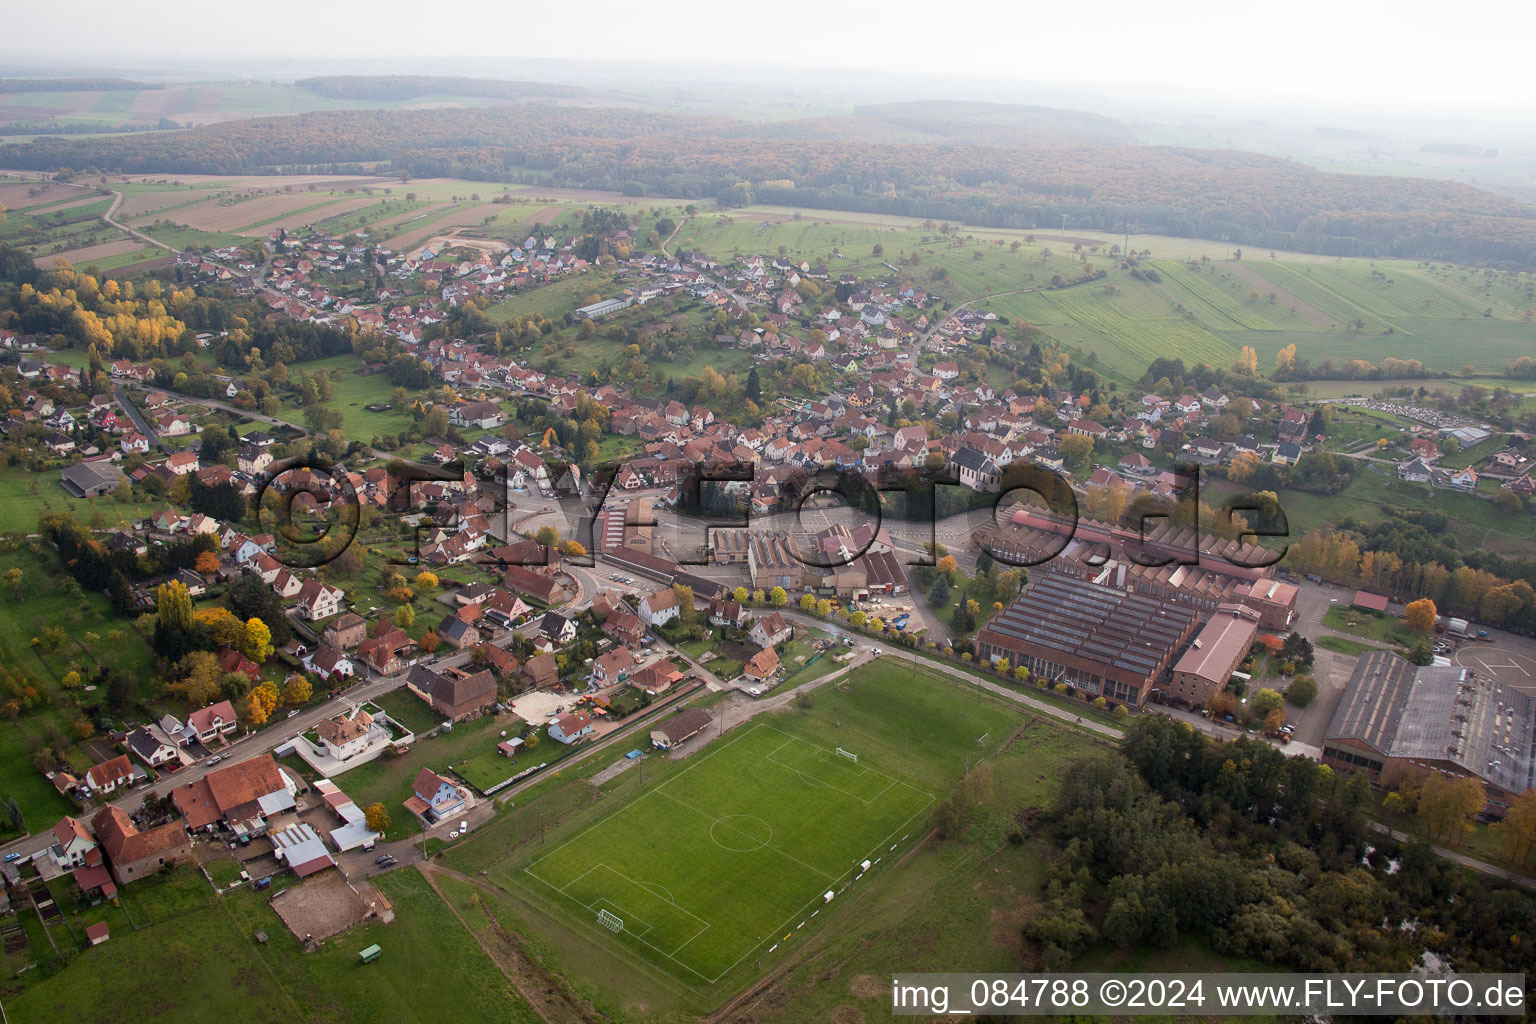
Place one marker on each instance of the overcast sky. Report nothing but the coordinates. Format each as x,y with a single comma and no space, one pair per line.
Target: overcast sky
1405,55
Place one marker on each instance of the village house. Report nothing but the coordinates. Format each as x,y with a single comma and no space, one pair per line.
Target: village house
569,728
319,600
211,723
659,608
456,695
434,798
771,630
761,666
108,777
73,845
133,854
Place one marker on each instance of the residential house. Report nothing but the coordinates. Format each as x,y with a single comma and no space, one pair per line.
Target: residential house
434,798
569,728
133,854
612,667
73,845
659,608
1415,471
771,630
457,633
329,663
108,777
457,695
345,632
211,723
319,600
151,745
656,678
762,665
726,612
557,629
542,671
346,736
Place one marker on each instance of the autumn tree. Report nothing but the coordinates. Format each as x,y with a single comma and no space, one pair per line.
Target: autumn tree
1302,691
207,563
1421,615
173,607
405,616
1517,832
258,640
684,597
1076,450
261,702
807,602
1448,804
426,580
297,690
778,596
376,816
199,679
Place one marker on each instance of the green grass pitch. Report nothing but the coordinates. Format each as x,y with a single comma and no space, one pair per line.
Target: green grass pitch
734,853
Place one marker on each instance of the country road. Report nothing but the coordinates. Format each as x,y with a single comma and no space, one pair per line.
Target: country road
117,201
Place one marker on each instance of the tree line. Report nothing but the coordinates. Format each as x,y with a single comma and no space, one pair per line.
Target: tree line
1226,195
1182,838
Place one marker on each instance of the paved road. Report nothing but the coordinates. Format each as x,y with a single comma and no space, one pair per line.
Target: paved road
131,410
1463,859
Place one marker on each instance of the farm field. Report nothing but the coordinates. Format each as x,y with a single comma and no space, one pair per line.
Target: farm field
1127,330
93,254
459,216
1489,345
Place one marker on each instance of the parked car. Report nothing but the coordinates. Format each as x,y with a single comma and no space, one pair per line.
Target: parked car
10,857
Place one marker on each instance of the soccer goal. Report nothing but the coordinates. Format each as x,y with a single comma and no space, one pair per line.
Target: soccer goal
848,754
610,921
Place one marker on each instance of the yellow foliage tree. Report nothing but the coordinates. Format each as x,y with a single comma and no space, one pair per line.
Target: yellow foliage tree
297,690
261,702
1421,615
258,640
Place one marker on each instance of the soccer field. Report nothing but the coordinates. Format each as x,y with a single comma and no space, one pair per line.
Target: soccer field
733,854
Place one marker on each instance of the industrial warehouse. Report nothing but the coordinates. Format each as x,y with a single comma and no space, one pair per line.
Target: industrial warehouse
1443,718
1100,639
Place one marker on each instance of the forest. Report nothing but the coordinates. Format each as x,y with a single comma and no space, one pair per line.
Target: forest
405,87
1262,856
853,163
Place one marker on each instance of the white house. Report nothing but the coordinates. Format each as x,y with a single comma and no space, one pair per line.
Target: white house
73,845
346,736
770,630
319,600
569,728
659,608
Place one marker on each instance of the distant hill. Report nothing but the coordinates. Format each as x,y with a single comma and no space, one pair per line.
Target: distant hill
75,85
991,123
405,87
1245,198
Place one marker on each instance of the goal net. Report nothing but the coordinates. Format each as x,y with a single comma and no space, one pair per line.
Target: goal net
609,921
848,754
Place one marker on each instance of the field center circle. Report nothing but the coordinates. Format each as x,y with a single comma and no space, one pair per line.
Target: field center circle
740,833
